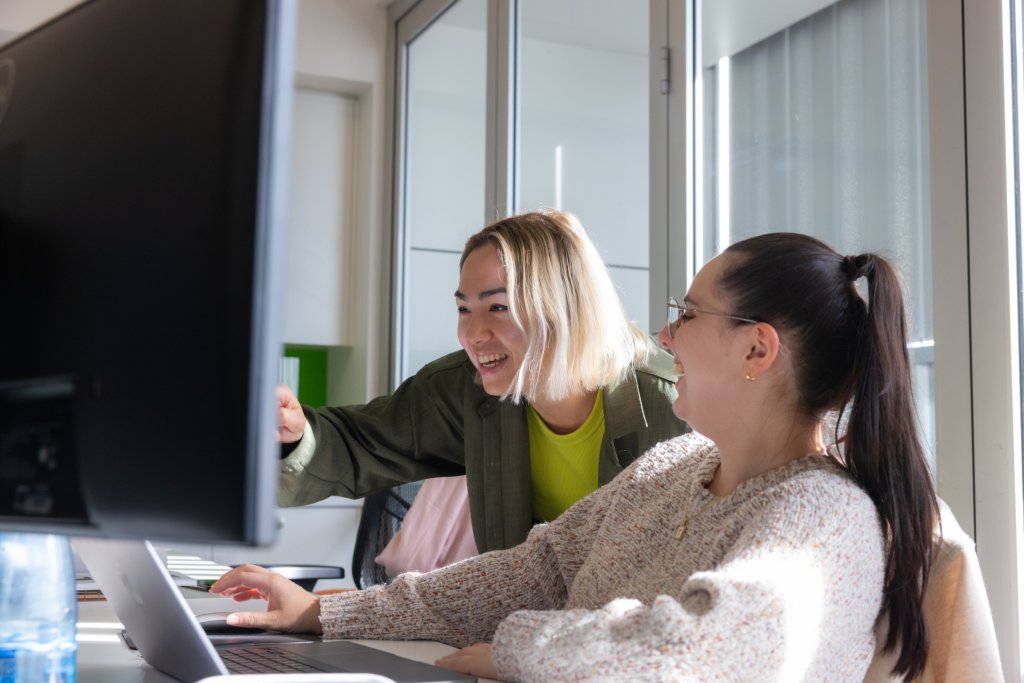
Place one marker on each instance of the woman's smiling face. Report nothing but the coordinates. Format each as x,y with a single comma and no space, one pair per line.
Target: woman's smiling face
706,353
495,344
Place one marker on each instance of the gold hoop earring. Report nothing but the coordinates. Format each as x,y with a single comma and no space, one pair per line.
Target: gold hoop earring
748,377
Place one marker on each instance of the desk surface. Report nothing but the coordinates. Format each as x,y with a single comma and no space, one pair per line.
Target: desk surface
104,658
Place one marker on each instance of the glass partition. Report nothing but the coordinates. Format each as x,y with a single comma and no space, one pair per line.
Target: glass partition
443,179
820,126
583,128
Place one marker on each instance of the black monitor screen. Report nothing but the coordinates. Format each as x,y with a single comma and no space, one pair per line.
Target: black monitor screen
140,225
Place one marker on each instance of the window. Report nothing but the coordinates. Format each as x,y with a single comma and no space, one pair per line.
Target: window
583,128
515,106
443,174
820,127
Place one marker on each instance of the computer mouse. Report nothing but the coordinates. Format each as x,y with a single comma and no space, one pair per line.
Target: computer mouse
215,623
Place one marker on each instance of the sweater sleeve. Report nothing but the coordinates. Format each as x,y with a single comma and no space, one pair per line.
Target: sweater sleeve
463,603
415,433
788,599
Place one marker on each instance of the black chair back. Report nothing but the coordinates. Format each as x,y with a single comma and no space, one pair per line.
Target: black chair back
381,519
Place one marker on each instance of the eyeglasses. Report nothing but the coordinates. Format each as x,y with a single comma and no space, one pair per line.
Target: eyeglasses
680,313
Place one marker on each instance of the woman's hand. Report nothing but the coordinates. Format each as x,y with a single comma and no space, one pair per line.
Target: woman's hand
474,660
290,607
291,421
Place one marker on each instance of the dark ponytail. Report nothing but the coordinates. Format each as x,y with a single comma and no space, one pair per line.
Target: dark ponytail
884,454
847,350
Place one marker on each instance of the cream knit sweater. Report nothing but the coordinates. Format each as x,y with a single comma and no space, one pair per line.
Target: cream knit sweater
779,581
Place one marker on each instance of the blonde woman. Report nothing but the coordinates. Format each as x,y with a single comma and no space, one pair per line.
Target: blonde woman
554,392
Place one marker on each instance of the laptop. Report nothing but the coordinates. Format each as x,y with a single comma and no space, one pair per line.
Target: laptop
168,636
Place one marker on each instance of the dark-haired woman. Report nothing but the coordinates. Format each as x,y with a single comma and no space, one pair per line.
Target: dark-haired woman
749,553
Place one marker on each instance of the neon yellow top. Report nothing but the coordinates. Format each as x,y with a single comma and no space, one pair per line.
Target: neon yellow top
563,467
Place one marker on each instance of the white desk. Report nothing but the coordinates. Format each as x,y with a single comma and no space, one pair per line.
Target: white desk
104,658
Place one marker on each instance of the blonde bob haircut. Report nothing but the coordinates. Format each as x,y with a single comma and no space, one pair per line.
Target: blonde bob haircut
561,296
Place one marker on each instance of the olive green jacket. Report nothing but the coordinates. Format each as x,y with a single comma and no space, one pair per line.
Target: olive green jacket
441,423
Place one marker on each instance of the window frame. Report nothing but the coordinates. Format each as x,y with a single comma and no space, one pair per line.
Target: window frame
993,355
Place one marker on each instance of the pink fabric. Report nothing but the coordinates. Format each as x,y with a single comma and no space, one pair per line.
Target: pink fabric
436,530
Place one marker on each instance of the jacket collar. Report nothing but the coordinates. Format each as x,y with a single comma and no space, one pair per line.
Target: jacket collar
623,410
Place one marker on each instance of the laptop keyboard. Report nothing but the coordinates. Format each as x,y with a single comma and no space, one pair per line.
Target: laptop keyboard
259,660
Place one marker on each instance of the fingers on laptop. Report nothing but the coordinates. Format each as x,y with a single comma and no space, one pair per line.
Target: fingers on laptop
245,582
290,607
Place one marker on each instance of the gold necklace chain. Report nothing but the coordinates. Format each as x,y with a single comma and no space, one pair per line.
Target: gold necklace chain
688,514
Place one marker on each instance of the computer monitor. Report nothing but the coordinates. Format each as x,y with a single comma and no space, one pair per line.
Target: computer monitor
143,153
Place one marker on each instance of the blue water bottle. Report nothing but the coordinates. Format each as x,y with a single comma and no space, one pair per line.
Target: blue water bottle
38,609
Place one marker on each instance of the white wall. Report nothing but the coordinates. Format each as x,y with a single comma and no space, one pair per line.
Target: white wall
341,48
320,230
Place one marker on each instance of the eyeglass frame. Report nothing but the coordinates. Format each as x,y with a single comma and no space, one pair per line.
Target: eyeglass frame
685,308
